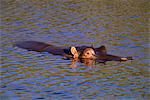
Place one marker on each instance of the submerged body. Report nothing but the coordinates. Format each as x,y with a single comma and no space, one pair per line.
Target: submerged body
81,52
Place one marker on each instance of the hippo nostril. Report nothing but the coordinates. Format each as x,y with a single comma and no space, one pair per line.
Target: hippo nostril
93,54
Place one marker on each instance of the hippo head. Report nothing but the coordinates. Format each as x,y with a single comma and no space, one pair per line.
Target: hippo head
88,53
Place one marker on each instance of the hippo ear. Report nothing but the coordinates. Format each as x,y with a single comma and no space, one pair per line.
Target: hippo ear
102,49
74,52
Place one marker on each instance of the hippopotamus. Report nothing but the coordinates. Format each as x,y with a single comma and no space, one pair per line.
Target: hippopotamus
80,52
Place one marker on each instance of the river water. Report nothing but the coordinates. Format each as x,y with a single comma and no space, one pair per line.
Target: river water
120,25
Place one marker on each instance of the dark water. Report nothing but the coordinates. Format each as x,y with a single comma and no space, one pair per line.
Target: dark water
120,25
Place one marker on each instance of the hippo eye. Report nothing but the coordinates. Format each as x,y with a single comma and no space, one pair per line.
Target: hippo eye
88,53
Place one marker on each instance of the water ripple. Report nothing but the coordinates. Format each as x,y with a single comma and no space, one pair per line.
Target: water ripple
119,25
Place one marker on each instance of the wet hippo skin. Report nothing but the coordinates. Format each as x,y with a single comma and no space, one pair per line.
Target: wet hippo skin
40,47
44,47
99,53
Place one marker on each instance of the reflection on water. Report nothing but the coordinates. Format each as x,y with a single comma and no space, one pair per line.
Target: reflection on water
119,25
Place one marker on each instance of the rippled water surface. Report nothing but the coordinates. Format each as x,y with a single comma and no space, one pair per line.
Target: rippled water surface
120,25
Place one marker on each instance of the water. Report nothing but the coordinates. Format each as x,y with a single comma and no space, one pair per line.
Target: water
122,26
